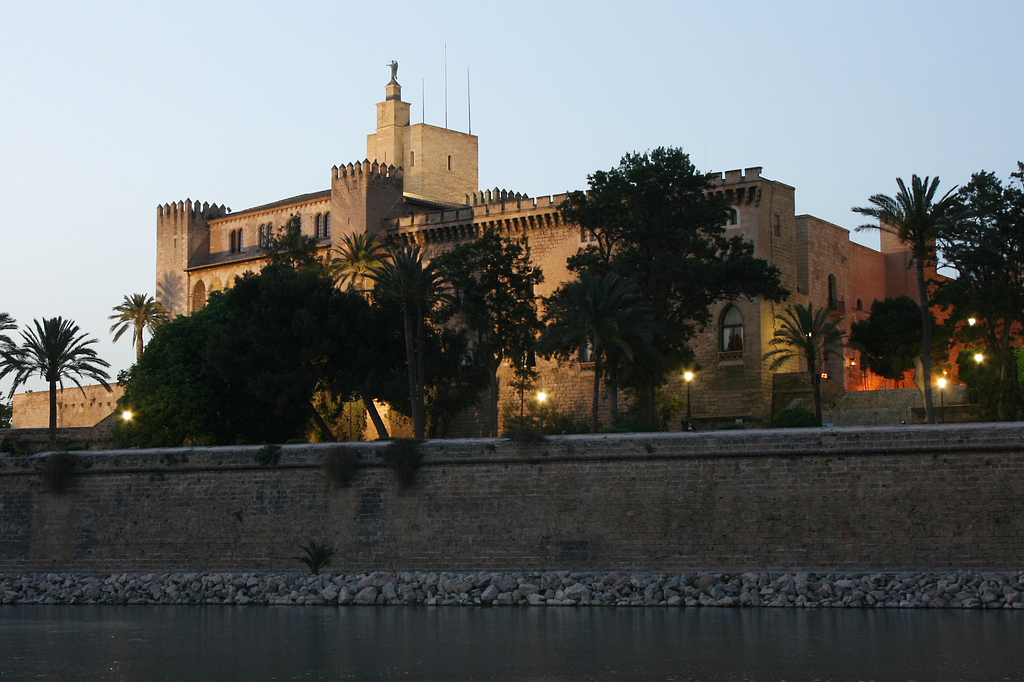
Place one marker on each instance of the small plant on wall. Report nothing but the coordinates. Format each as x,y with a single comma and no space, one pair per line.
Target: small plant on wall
318,556
341,465
58,471
268,455
404,458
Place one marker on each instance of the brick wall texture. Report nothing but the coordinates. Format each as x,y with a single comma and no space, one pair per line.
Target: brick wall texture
909,498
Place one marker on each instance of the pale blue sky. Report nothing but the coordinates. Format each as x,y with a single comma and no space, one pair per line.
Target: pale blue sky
110,108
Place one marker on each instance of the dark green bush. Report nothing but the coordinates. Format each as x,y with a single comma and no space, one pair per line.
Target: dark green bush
58,471
318,556
794,418
341,464
404,458
268,455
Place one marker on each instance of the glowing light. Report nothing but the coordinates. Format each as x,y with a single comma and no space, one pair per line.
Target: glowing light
972,321
541,396
978,357
126,415
688,376
942,382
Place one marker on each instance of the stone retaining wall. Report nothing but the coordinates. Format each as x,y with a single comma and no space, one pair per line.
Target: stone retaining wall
923,498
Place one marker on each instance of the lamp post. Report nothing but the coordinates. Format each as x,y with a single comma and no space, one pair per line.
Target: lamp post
942,397
978,358
688,376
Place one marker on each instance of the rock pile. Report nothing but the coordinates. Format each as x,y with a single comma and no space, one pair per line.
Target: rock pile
962,589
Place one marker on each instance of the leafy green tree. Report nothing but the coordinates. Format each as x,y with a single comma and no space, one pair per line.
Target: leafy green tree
604,314
359,256
655,223
6,412
453,381
492,282
890,339
915,217
985,246
177,397
802,333
418,286
55,350
290,248
139,312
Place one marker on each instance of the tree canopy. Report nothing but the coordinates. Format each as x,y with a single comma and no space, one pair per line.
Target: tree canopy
139,313
492,300
654,223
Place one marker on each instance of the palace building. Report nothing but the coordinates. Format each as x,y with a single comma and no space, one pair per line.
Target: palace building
418,184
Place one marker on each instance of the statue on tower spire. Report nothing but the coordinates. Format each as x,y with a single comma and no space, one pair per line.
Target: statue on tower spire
394,71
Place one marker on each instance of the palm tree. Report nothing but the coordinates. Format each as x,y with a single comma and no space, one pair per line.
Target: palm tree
55,350
805,334
6,323
359,256
418,286
138,312
604,314
915,218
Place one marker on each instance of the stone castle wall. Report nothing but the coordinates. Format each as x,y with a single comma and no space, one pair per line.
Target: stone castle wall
879,499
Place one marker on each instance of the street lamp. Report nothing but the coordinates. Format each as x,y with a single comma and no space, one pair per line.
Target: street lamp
978,357
942,397
688,376
541,396
126,415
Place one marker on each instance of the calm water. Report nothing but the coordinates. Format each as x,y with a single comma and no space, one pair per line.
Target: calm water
154,643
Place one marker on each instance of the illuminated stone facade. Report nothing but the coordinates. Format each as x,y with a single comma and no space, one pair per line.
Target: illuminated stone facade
421,187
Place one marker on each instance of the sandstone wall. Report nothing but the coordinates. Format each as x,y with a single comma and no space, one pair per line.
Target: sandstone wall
909,498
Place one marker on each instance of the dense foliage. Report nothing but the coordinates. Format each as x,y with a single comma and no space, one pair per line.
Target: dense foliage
654,223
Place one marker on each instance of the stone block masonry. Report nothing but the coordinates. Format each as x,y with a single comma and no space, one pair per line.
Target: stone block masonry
926,498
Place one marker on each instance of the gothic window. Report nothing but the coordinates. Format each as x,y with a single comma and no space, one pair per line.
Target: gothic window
319,226
327,225
198,296
732,331
734,217
238,240
232,245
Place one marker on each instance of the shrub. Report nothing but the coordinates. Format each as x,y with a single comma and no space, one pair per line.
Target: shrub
318,556
340,465
404,458
268,455
794,418
58,471
11,446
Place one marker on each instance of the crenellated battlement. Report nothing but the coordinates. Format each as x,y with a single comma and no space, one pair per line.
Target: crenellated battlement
366,167
732,177
205,211
493,196
515,214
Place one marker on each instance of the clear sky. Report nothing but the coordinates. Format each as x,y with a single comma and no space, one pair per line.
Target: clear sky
111,108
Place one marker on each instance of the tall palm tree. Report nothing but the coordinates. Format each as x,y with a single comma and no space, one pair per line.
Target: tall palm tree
915,218
805,334
359,256
602,313
55,350
6,323
418,285
138,312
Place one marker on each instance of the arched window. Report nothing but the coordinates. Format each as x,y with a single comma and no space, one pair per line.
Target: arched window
412,159
238,240
198,296
732,331
232,245
327,225
734,217
319,226
860,304
449,162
